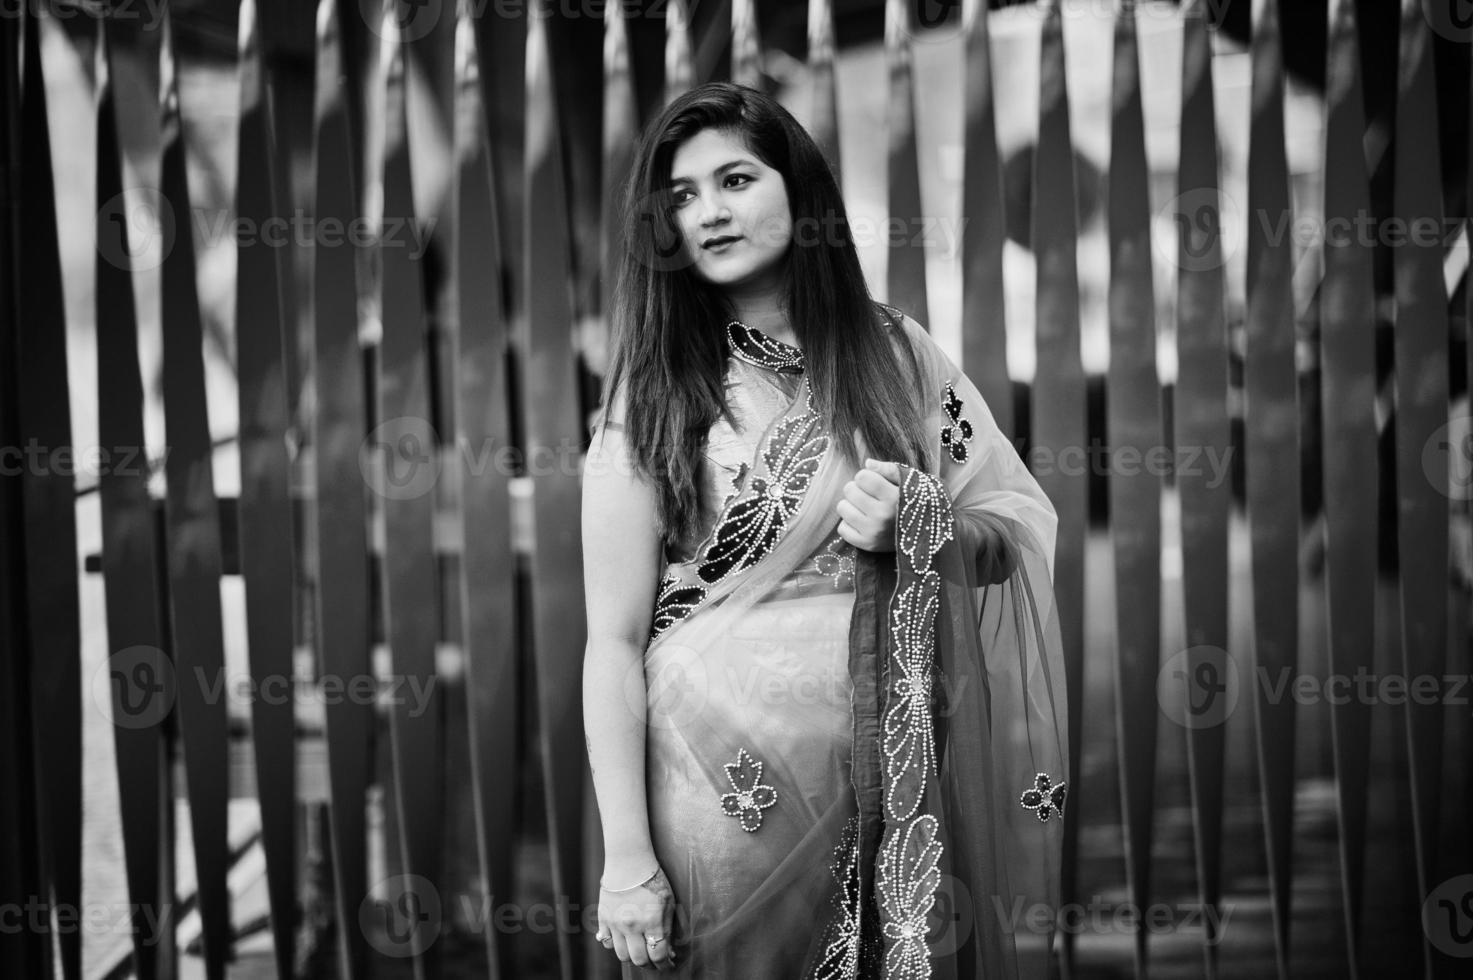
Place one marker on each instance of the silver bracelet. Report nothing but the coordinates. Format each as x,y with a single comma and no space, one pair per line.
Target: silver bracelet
646,881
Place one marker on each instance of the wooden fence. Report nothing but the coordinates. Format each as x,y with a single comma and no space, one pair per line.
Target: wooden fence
394,527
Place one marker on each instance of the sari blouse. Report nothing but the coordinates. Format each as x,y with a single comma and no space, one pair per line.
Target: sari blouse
856,762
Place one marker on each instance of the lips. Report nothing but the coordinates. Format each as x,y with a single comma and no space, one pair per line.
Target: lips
720,241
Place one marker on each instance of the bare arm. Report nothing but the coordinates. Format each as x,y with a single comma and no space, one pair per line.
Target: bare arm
621,569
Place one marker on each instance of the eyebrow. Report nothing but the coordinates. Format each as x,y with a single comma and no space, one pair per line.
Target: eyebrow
743,162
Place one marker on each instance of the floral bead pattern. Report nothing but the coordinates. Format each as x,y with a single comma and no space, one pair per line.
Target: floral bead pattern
751,795
958,431
1044,798
836,560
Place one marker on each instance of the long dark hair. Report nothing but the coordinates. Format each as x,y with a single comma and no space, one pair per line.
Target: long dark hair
669,338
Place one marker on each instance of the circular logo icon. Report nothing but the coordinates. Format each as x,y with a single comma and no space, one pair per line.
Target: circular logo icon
659,244
402,916
1447,916
1198,687
1453,442
1208,226
135,229
400,458
135,686
1452,21
934,21
949,921
673,687
401,20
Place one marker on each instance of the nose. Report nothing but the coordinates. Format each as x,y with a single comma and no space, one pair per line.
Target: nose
714,211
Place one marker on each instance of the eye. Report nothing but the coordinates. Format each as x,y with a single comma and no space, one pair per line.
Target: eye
744,178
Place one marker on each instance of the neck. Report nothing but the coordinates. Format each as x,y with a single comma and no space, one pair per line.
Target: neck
765,314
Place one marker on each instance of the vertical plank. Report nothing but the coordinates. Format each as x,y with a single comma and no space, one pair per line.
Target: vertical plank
23,952
680,72
823,115
906,269
342,606
264,532
558,631
140,673
1058,392
1420,356
487,585
49,534
984,229
1351,472
192,554
405,448
1133,422
1271,442
1200,414
621,124
746,44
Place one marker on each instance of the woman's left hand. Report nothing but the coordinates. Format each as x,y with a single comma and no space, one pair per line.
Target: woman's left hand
867,512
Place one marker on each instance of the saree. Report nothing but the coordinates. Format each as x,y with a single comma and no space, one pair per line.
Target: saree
856,761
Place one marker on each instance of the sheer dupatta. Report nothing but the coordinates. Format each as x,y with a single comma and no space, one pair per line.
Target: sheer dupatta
855,760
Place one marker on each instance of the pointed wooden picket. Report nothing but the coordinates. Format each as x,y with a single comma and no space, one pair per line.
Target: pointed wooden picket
487,580
1133,421
264,535
550,410
193,553
1348,381
406,449
1200,413
984,228
907,228
680,73
342,586
823,113
746,44
1271,442
1058,389
140,672
1420,356
49,503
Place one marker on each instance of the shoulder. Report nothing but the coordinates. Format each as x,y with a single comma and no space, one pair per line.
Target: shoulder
907,332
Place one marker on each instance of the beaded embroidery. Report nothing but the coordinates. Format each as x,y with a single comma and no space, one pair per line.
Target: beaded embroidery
1044,798
836,560
958,431
842,938
752,526
675,602
908,738
755,347
908,876
752,796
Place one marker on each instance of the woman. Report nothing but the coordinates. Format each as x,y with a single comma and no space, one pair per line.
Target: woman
822,688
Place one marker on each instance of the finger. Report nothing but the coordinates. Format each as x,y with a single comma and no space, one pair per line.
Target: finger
660,952
856,518
850,535
638,954
859,497
889,470
877,485
621,947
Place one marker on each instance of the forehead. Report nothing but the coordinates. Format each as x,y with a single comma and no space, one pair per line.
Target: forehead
707,150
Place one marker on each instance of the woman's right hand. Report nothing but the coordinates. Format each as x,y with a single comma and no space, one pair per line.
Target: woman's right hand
630,922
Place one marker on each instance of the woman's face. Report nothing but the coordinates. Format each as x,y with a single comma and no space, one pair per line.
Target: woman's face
722,191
